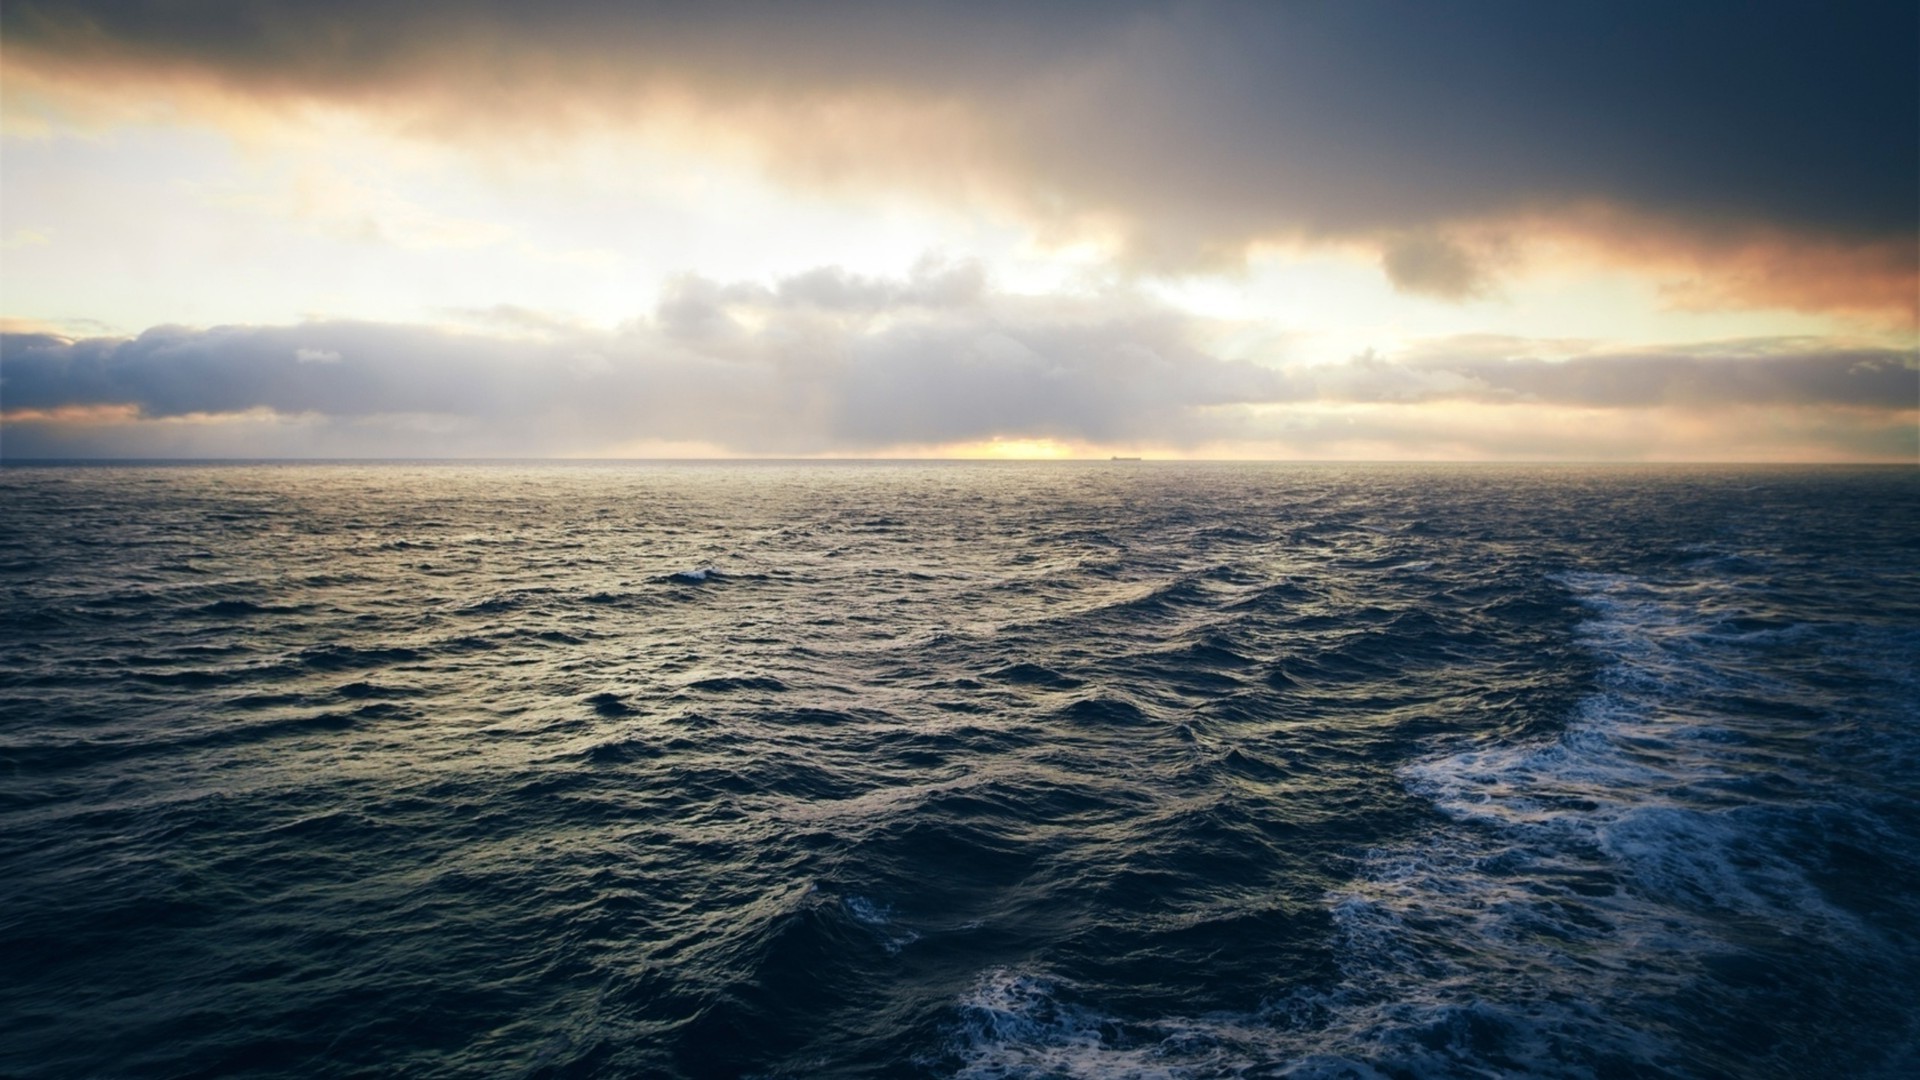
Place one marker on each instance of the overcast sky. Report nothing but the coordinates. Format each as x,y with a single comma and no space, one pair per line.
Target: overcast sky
1295,230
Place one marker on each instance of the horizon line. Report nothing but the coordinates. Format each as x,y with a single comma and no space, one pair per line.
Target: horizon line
1115,460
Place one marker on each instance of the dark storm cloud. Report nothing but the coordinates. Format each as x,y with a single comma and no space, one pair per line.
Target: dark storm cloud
1199,125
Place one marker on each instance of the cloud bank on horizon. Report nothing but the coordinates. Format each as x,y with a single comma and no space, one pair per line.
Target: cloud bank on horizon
1306,230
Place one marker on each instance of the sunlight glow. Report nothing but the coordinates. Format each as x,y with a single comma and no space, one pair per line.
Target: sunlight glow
1004,449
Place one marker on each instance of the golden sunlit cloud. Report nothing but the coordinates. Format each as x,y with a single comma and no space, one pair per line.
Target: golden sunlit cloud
123,413
1746,267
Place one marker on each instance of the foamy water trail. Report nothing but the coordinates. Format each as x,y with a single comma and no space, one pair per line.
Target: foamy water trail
1590,901
1601,886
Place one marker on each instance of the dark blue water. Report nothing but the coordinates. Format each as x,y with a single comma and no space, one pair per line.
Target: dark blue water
1109,770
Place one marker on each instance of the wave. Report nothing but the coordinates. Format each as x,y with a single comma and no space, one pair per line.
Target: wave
249,609
736,683
1642,857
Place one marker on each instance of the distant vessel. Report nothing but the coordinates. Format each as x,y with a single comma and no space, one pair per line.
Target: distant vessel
1117,457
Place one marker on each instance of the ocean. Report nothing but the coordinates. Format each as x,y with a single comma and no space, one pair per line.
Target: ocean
995,770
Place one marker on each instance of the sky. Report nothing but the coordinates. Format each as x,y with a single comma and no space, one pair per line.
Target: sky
1295,230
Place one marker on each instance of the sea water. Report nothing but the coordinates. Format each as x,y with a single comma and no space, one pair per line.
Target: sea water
959,770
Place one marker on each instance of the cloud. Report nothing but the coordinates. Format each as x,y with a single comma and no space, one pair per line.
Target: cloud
832,362
1716,266
694,308
1436,266
1185,132
1703,378
821,361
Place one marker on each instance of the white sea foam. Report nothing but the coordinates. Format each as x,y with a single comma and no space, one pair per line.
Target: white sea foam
879,919
1603,864
1020,1024
1016,1024
867,912
1583,883
1639,772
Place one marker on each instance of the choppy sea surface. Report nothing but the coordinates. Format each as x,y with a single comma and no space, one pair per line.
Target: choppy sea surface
1000,770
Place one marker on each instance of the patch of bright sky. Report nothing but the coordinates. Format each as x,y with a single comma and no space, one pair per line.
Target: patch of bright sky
1324,306
140,226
